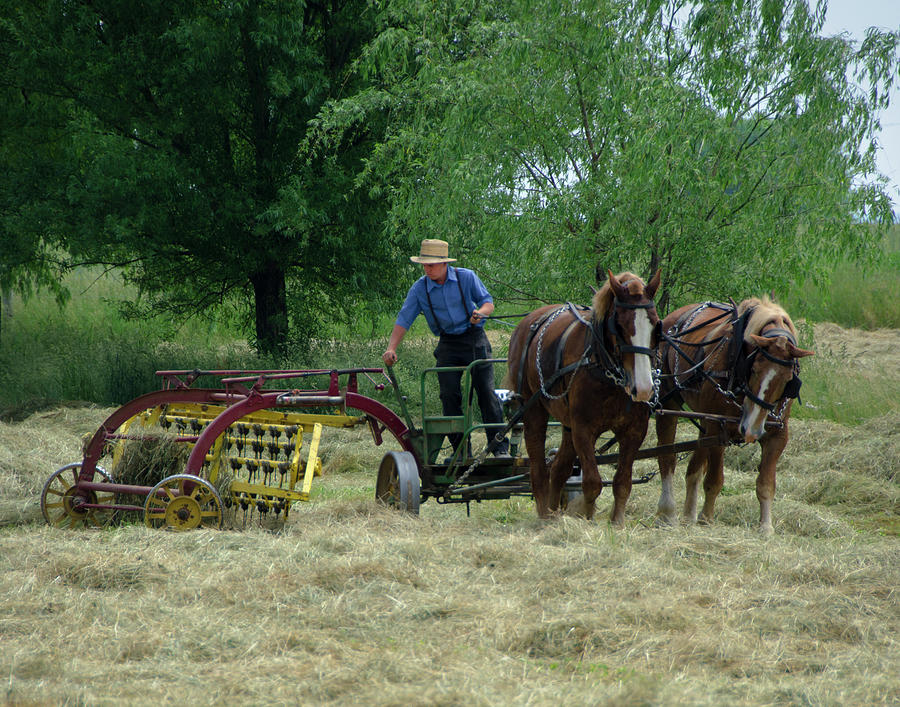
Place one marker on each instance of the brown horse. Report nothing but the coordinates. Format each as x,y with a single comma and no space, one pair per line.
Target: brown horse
591,375
722,360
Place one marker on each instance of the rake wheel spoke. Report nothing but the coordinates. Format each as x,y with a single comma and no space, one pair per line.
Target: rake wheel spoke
68,511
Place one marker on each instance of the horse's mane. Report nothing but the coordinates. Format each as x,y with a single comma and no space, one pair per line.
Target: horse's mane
603,299
764,311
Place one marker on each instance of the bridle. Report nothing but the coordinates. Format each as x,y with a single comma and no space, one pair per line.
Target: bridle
619,340
744,366
612,365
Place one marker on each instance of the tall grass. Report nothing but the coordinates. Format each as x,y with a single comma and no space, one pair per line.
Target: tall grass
88,351
857,296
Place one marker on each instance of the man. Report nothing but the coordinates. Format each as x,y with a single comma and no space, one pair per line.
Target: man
455,304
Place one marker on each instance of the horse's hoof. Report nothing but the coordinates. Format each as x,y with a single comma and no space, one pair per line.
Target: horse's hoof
766,530
665,522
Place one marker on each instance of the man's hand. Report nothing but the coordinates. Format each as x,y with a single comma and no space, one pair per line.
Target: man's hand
389,357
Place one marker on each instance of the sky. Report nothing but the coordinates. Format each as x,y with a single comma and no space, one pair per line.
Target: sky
855,17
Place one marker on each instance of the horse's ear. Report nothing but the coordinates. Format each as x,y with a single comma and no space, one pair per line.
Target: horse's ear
800,353
650,289
762,342
615,285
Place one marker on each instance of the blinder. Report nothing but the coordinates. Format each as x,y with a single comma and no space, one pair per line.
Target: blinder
792,389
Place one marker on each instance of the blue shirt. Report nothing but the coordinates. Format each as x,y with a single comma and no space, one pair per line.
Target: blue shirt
452,313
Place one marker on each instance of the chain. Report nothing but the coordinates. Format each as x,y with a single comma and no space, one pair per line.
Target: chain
482,455
776,416
537,362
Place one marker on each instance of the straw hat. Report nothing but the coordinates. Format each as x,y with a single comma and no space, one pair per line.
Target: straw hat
433,251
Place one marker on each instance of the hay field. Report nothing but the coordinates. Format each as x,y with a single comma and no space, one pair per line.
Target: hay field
353,603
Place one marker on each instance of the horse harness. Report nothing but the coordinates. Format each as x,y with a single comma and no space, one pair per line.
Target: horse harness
602,361
596,358
738,366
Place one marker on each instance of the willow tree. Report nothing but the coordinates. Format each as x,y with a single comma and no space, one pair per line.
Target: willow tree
169,140
727,142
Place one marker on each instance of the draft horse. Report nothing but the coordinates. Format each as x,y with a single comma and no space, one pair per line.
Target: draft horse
591,374
737,361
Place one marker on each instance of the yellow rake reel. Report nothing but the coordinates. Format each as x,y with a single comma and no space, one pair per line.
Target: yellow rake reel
262,464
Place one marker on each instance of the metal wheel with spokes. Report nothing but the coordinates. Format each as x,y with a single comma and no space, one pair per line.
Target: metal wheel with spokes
398,482
62,503
183,502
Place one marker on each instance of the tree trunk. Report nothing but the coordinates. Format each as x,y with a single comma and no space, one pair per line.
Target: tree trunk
270,299
5,308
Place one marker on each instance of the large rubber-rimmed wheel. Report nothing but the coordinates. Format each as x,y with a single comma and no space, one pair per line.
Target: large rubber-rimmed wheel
398,482
183,502
62,501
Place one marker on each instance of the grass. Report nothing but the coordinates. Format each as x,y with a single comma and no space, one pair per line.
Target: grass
854,375
354,603
863,297
87,351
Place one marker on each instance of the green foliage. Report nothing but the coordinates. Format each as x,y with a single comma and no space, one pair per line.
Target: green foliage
722,142
168,140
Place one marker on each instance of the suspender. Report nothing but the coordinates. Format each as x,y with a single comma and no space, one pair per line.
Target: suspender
431,306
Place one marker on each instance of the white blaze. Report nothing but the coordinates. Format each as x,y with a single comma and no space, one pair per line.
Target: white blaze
643,378
753,423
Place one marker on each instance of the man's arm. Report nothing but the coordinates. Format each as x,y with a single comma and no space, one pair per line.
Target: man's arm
482,311
390,355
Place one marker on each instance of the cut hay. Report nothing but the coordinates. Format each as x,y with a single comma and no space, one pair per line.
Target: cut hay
147,459
355,603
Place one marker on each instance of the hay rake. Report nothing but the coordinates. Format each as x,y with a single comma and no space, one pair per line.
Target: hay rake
258,463
252,448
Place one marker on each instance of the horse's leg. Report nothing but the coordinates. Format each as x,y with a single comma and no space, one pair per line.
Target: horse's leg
713,483
772,446
630,435
630,440
665,434
583,440
695,468
561,469
535,433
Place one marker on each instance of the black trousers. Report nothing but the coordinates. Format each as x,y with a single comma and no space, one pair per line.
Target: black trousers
461,350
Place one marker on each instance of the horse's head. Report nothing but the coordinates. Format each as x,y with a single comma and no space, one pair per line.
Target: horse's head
625,315
770,366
